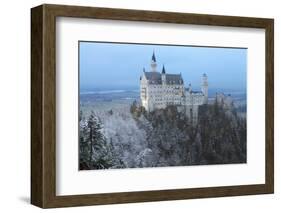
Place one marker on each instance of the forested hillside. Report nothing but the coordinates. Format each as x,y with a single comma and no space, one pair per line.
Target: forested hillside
133,138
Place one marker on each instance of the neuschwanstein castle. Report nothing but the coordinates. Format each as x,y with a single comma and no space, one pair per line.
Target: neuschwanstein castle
159,90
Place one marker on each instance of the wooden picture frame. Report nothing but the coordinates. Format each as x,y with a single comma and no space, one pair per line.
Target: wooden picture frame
43,105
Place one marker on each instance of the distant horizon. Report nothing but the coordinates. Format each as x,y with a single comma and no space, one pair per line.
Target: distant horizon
138,89
128,92
114,66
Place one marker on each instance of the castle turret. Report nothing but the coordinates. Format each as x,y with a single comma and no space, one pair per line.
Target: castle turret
189,88
163,75
153,63
204,87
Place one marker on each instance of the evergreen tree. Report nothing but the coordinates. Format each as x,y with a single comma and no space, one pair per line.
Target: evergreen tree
84,146
98,158
95,152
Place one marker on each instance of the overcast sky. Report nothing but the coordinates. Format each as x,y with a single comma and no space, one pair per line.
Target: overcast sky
119,66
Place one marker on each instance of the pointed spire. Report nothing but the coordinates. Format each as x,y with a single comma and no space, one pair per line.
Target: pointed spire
153,57
163,69
153,63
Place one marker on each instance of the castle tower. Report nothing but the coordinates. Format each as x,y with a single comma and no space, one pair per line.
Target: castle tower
204,87
153,63
163,75
190,88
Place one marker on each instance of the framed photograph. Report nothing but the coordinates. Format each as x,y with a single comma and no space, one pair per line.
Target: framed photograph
136,106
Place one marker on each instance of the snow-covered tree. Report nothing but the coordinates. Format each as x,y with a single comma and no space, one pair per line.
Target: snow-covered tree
95,151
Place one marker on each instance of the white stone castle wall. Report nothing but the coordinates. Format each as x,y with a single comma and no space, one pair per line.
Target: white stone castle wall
159,96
